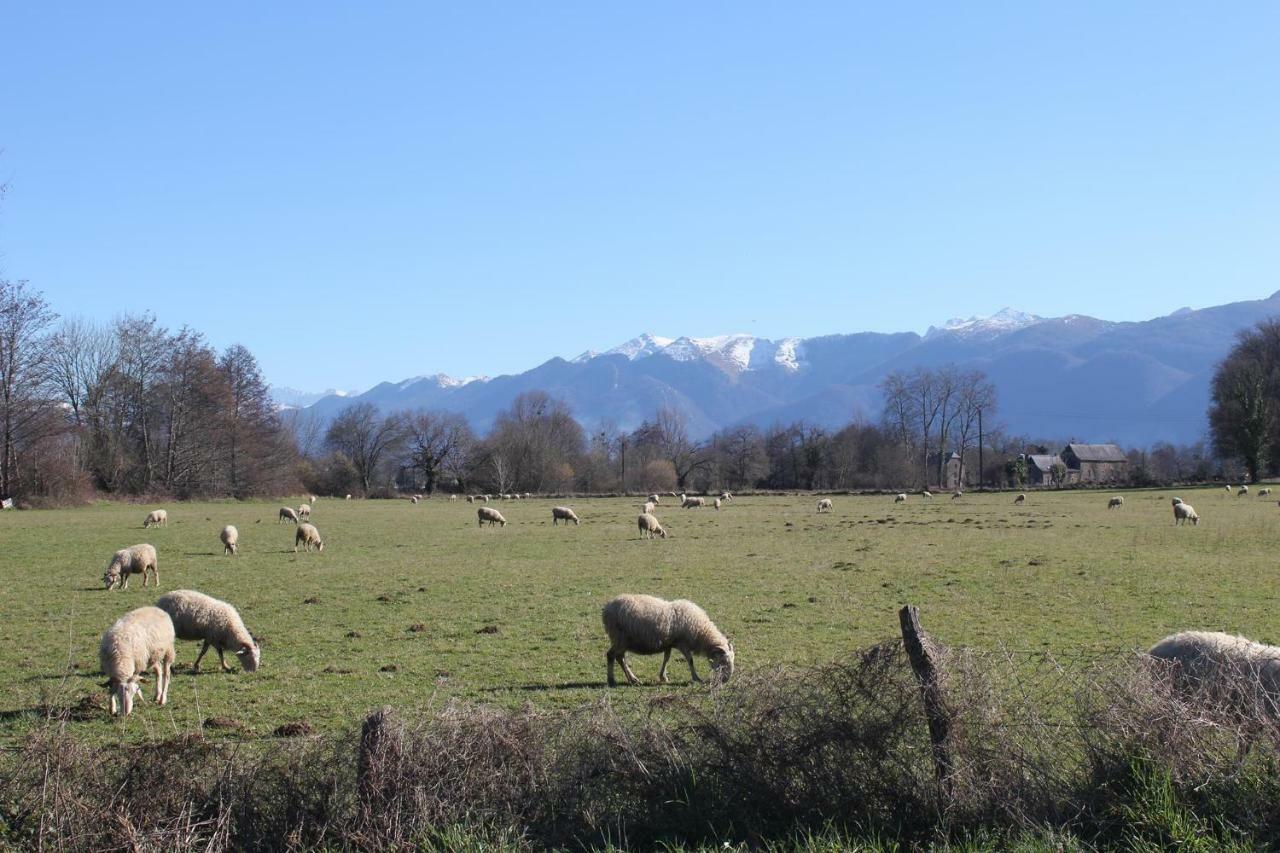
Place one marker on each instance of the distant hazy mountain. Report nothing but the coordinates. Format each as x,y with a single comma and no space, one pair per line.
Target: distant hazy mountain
1060,377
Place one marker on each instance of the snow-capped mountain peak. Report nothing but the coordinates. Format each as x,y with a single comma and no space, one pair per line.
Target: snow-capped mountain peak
731,353
1004,320
442,380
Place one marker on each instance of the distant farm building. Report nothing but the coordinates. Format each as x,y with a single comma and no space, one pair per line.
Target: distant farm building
1040,468
1095,463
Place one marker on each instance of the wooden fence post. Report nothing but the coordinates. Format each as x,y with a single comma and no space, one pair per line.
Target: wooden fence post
379,747
921,651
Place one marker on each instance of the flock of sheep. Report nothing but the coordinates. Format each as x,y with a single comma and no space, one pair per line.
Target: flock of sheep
143,640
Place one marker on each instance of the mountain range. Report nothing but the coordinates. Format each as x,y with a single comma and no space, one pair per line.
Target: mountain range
1074,377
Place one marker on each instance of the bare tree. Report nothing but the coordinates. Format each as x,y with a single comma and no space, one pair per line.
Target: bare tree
24,351
667,436
1244,413
436,440
366,438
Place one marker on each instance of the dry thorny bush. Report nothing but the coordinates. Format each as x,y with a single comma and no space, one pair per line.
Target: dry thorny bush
1033,740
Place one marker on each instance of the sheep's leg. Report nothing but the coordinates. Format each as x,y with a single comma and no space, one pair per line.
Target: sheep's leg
626,669
125,580
662,673
159,668
609,660
195,667
693,673
222,660
167,665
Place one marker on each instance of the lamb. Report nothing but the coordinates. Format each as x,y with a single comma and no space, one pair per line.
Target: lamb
1183,512
692,503
1020,499
491,515
649,526
653,499
304,511
647,625
565,513
716,503
926,494
307,536
158,517
649,507
1115,503
197,616
1262,493
230,538
134,560
824,505
1244,490
900,498
138,641
287,514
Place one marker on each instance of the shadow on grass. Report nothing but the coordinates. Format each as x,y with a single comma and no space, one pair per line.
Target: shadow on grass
579,685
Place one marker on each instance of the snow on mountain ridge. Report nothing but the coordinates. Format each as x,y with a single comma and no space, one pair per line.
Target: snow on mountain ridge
1004,320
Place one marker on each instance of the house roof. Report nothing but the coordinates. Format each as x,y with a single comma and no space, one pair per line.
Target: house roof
1043,461
1097,452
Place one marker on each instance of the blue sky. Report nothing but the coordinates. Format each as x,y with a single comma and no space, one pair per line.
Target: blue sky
377,192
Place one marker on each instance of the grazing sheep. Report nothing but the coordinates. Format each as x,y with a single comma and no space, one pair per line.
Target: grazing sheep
647,625
649,526
1262,493
824,505
1244,490
926,494
134,560
158,517
471,499
347,498
649,507
313,499
1177,501
230,538
138,641
491,515
726,496
1229,489
564,513
304,511
900,498
1115,503
453,497
1234,673
1020,499
197,616
957,495
1183,512
307,536
692,503
716,503
287,514
413,500
653,499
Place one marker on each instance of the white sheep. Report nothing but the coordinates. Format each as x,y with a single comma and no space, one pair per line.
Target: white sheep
471,499
647,625
957,495
649,507
347,498
1224,668
308,537
491,515
158,517
649,526
1177,501
1228,489
653,499
304,511
824,505
453,497
926,494
1115,503
197,616
1020,499
900,498
134,560
413,499
287,514
1244,490
1183,512
565,514
138,641
726,496
692,503
1263,493
716,503
313,499
230,539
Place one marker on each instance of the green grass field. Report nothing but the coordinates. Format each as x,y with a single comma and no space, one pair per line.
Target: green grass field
411,605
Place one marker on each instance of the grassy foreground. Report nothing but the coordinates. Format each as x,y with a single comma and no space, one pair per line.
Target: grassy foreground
410,605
